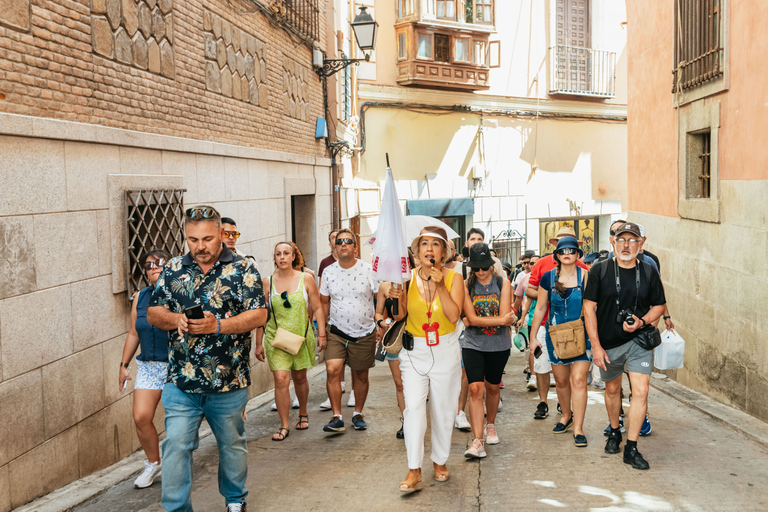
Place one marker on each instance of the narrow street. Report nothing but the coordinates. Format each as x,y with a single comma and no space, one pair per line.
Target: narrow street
697,463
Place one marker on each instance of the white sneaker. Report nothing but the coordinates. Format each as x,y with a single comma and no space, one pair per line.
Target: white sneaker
351,401
476,450
147,477
343,388
295,403
532,383
273,407
235,507
499,408
491,437
326,406
599,384
461,422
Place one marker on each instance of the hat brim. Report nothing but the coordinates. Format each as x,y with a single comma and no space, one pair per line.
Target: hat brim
554,254
553,241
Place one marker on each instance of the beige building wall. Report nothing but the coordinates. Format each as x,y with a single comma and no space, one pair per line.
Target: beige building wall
63,323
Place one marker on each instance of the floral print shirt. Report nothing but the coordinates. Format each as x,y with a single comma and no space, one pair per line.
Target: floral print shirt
210,363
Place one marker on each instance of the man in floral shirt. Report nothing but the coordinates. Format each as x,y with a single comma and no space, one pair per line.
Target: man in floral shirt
208,366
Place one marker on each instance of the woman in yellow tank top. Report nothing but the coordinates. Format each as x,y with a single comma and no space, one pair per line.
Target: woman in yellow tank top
433,367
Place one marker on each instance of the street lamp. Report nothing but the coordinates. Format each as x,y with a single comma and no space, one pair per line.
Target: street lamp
364,27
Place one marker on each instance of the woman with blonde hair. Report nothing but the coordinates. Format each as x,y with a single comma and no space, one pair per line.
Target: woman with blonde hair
430,361
291,293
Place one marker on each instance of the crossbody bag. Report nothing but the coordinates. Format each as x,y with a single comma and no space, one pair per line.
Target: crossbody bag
284,339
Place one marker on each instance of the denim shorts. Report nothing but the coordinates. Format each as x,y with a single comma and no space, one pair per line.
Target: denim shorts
151,374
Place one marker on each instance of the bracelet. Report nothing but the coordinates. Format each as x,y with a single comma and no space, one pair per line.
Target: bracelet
378,322
644,322
667,317
124,365
218,331
320,336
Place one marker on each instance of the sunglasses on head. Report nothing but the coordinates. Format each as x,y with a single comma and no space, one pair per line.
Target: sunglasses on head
286,302
347,241
477,269
567,250
154,264
231,234
201,213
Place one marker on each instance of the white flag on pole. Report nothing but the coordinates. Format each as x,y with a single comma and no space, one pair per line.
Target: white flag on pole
390,252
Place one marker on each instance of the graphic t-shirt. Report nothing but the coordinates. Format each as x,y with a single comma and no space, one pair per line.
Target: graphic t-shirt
486,301
602,290
351,291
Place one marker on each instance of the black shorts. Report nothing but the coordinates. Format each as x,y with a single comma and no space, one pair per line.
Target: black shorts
482,366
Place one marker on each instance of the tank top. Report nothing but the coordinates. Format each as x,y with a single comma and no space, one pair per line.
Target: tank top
417,309
486,299
154,342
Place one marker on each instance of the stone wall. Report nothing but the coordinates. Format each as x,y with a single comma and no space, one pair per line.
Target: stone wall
715,281
196,69
62,327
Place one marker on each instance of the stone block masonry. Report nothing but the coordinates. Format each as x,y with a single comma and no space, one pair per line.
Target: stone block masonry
195,69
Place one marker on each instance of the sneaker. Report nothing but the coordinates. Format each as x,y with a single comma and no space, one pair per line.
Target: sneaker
476,450
295,403
343,387
561,428
501,384
599,384
461,422
500,404
400,434
645,429
607,430
532,383
335,425
580,440
147,477
490,434
236,507
589,378
633,457
542,411
326,406
358,422
273,407
351,401
614,442
552,383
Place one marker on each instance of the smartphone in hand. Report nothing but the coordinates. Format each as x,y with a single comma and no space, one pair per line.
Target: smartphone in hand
195,312
537,352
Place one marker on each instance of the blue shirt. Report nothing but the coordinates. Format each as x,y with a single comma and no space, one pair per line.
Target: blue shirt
210,363
154,342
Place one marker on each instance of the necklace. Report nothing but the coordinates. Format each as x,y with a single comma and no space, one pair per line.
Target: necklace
564,276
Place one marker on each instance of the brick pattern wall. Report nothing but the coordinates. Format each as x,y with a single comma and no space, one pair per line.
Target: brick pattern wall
59,65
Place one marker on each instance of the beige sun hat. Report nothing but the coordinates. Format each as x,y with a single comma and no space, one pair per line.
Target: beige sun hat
434,232
564,231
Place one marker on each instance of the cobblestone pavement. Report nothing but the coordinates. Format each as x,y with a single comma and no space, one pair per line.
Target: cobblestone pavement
697,463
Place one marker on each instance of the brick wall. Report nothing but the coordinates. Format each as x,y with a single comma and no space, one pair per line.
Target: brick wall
141,65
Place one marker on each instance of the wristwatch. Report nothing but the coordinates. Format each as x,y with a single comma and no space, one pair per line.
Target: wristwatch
124,365
667,317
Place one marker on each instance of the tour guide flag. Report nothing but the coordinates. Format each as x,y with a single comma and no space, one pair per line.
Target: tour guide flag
390,253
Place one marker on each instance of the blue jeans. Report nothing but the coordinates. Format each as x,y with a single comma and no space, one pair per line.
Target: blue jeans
183,414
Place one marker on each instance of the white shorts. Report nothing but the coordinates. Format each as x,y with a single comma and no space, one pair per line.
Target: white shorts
541,363
151,374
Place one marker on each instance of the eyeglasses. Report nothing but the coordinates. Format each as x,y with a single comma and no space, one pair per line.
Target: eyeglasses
347,241
567,250
231,234
477,269
286,302
623,241
201,213
154,264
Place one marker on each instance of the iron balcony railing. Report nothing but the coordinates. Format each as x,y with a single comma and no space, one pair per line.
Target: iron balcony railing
582,71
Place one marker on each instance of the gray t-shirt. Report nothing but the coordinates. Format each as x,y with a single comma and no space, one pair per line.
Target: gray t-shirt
486,300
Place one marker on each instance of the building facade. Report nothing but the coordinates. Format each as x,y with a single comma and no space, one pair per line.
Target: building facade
114,117
697,182
504,115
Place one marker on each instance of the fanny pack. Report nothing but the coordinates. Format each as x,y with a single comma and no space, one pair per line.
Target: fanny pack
341,334
648,340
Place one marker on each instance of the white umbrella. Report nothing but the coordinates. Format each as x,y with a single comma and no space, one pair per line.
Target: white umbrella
415,223
390,251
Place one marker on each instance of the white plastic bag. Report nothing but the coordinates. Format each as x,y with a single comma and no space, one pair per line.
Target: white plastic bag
669,355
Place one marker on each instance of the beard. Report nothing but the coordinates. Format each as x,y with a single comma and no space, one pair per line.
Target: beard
630,257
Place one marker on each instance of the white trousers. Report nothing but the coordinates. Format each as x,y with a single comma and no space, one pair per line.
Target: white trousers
433,372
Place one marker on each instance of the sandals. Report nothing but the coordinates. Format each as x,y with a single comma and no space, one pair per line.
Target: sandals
304,421
441,472
412,482
279,435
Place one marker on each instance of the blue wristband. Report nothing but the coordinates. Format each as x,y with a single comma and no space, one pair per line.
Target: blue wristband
218,331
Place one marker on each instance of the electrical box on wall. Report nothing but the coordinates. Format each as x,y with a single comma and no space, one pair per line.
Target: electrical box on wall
321,129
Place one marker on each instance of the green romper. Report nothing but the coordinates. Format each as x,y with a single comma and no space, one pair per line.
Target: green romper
294,319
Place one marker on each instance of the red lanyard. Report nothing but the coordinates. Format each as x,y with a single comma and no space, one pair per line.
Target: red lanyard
430,329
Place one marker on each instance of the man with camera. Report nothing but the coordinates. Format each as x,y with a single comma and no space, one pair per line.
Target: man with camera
213,298
620,304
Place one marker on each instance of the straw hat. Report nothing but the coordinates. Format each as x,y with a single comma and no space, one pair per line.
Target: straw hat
564,231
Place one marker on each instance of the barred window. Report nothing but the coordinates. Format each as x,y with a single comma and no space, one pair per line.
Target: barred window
303,16
155,221
698,45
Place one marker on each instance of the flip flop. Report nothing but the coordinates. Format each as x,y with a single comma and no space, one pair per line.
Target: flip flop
302,421
280,435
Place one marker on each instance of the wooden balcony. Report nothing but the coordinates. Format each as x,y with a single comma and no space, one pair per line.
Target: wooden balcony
442,75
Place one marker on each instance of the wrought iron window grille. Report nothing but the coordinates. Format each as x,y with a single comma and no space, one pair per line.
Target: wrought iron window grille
582,71
698,45
155,220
